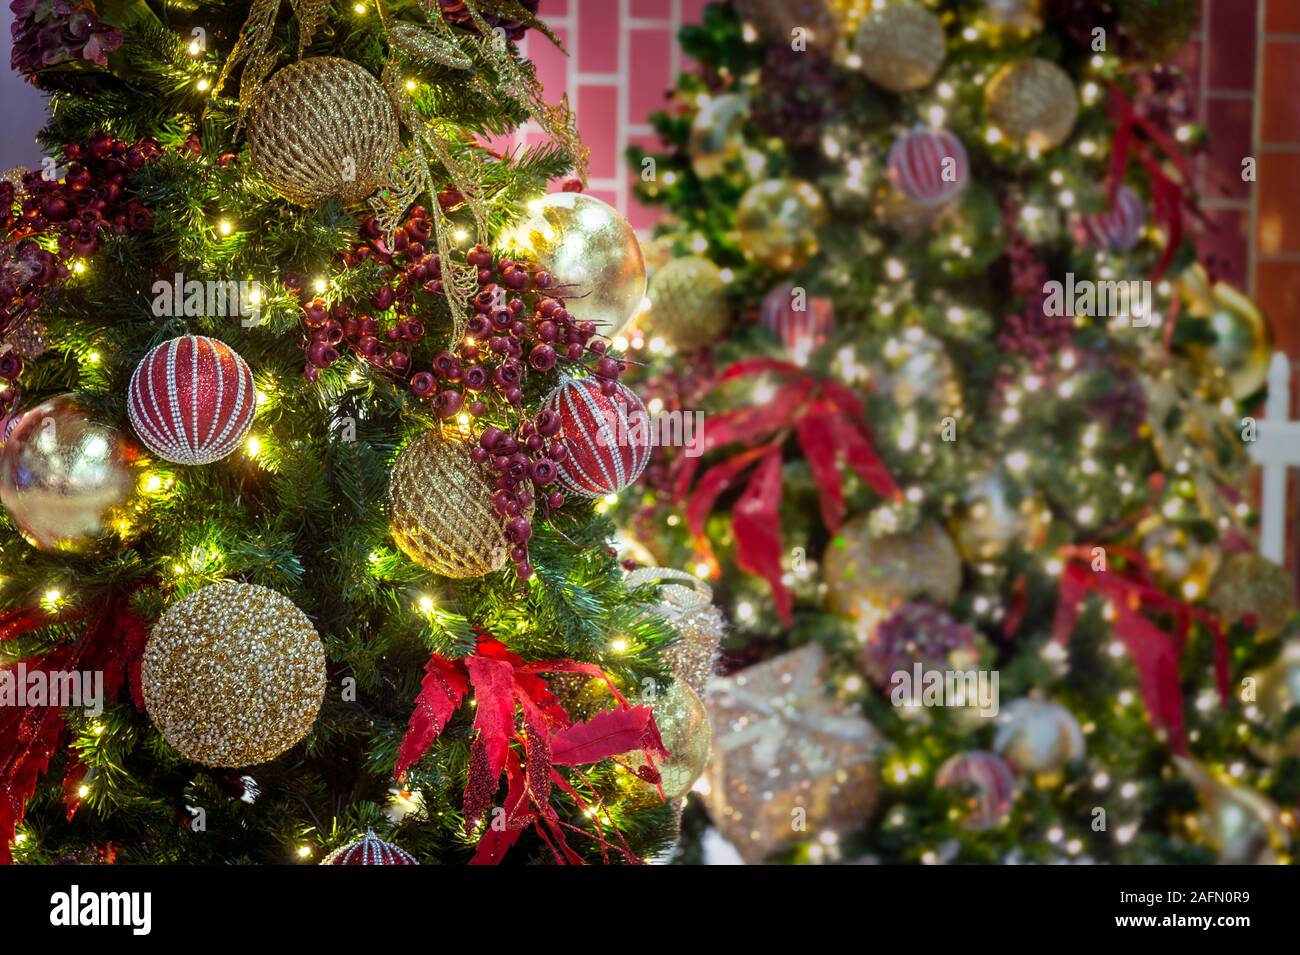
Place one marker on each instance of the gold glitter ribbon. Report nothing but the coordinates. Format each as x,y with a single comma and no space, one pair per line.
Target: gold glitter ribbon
253,48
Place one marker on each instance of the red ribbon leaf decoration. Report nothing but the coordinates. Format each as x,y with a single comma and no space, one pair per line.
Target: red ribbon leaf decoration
816,433
608,733
443,688
756,522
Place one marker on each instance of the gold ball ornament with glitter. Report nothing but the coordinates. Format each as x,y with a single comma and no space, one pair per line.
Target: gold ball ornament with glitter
69,482
1033,103
993,519
440,508
901,47
1243,826
688,304
777,222
592,254
323,128
233,675
1251,584
1038,736
1181,562
1243,343
684,727
1023,17
717,134
868,575
688,606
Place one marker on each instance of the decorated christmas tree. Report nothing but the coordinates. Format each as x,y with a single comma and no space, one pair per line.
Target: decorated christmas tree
306,396
972,490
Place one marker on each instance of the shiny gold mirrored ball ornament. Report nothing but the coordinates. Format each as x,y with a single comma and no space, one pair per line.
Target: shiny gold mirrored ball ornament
1181,562
70,482
592,254
868,575
323,128
901,47
1243,338
717,134
440,508
688,304
1243,826
917,368
994,518
777,222
1033,103
233,675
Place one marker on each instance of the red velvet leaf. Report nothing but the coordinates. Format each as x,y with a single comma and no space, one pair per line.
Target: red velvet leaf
500,836
1156,659
756,523
494,701
440,696
608,733
816,434
711,486
862,457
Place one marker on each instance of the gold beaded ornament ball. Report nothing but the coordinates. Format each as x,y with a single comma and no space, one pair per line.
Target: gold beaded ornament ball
777,222
1033,103
1250,584
866,574
901,47
233,675
323,128
688,304
440,508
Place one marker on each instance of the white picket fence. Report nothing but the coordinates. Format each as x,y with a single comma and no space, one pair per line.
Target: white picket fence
1276,450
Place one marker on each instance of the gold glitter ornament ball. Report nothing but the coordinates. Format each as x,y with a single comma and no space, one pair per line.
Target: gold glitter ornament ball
866,574
688,606
592,254
1252,584
688,304
233,675
323,128
901,47
1033,103
777,222
70,483
684,727
440,508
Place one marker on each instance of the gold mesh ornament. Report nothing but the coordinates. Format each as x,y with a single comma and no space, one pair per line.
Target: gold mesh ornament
440,508
1032,102
233,675
688,303
901,47
1252,584
323,128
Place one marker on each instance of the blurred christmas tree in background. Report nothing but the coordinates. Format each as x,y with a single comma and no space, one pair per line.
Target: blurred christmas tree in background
972,408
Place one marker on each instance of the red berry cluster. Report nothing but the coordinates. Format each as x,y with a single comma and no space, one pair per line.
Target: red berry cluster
525,463
92,200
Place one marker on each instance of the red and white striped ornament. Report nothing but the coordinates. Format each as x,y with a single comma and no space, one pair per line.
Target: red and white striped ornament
929,166
989,780
608,436
191,400
801,322
370,851
1120,227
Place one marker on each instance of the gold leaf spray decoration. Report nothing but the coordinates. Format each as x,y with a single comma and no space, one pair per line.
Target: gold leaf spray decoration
253,48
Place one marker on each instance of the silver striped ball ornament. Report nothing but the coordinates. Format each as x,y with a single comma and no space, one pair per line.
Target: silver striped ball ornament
1119,227
608,437
191,400
929,166
986,779
369,851
801,321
